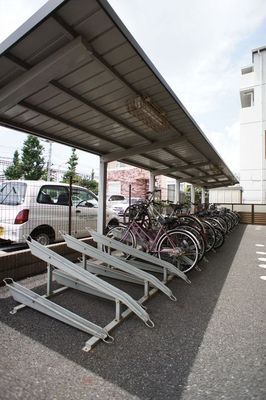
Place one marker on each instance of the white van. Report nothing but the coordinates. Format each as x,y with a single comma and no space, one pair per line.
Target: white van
41,209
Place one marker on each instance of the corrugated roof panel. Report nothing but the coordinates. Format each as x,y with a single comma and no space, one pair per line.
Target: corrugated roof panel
45,39
95,25
76,13
84,100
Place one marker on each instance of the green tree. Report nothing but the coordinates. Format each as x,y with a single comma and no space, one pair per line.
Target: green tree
32,160
52,175
14,171
72,165
187,192
89,183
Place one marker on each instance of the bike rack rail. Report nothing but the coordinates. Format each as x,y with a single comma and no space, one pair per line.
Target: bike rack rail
47,307
82,277
86,277
154,264
75,276
115,262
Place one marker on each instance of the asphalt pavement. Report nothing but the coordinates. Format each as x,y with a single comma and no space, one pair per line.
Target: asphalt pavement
208,345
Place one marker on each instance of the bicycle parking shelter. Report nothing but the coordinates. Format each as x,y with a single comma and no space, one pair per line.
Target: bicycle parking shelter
73,74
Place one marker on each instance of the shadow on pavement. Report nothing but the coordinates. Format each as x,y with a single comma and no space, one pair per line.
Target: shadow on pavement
148,363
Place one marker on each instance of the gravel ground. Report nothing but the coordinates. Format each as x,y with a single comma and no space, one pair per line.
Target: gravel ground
208,345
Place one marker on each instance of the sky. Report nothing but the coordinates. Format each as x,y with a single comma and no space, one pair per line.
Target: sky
199,47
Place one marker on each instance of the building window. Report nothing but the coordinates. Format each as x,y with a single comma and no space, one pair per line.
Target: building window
247,70
247,98
171,192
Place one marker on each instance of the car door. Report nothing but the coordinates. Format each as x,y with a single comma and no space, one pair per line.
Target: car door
85,208
53,208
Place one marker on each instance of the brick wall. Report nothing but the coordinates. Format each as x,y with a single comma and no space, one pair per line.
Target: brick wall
138,178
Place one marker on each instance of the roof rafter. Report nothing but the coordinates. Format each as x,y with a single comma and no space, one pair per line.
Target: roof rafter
180,168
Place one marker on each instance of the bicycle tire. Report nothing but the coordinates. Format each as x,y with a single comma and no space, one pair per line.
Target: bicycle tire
209,235
198,237
124,235
220,237
178,248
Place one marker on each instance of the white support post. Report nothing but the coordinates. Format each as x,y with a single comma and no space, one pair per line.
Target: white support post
192,197
152,182
101,221
177,191
203,196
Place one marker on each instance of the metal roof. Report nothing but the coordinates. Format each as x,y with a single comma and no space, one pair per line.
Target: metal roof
74,74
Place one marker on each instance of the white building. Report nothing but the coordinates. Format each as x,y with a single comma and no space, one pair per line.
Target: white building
253,129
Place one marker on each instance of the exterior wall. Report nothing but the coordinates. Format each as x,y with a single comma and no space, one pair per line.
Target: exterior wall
225,195
138,178
253,132
126,175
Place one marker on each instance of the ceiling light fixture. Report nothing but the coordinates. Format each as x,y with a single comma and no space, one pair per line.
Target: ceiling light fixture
142,108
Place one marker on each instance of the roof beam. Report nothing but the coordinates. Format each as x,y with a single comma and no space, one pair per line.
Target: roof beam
72,95
98,58
203,177
72,33
71,124
81,128
182,168
220,184
65,141
61,61
144,148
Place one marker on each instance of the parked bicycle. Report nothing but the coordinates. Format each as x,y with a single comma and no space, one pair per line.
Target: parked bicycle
153,233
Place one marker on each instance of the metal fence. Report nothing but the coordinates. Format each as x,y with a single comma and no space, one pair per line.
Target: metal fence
254,214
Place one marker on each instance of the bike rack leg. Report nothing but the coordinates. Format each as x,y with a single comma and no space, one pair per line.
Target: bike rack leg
146,288
117,310
49,280
125,314
84,260
165,274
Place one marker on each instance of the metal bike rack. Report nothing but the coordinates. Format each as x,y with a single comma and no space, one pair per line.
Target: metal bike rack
75,276
47,307
70,282
150,263
106,258
86,277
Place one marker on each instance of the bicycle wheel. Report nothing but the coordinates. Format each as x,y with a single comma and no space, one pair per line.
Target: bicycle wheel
219,237
124,235
209,234
198,236
216,222
229,223
139,213
232,220
191,220
178,248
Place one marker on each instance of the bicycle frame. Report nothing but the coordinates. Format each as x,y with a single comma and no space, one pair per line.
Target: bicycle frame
149,242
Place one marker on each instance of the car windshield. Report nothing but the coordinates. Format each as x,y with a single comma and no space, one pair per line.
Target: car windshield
82,196
12,193
117,197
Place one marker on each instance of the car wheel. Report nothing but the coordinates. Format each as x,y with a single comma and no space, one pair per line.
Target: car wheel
42,238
